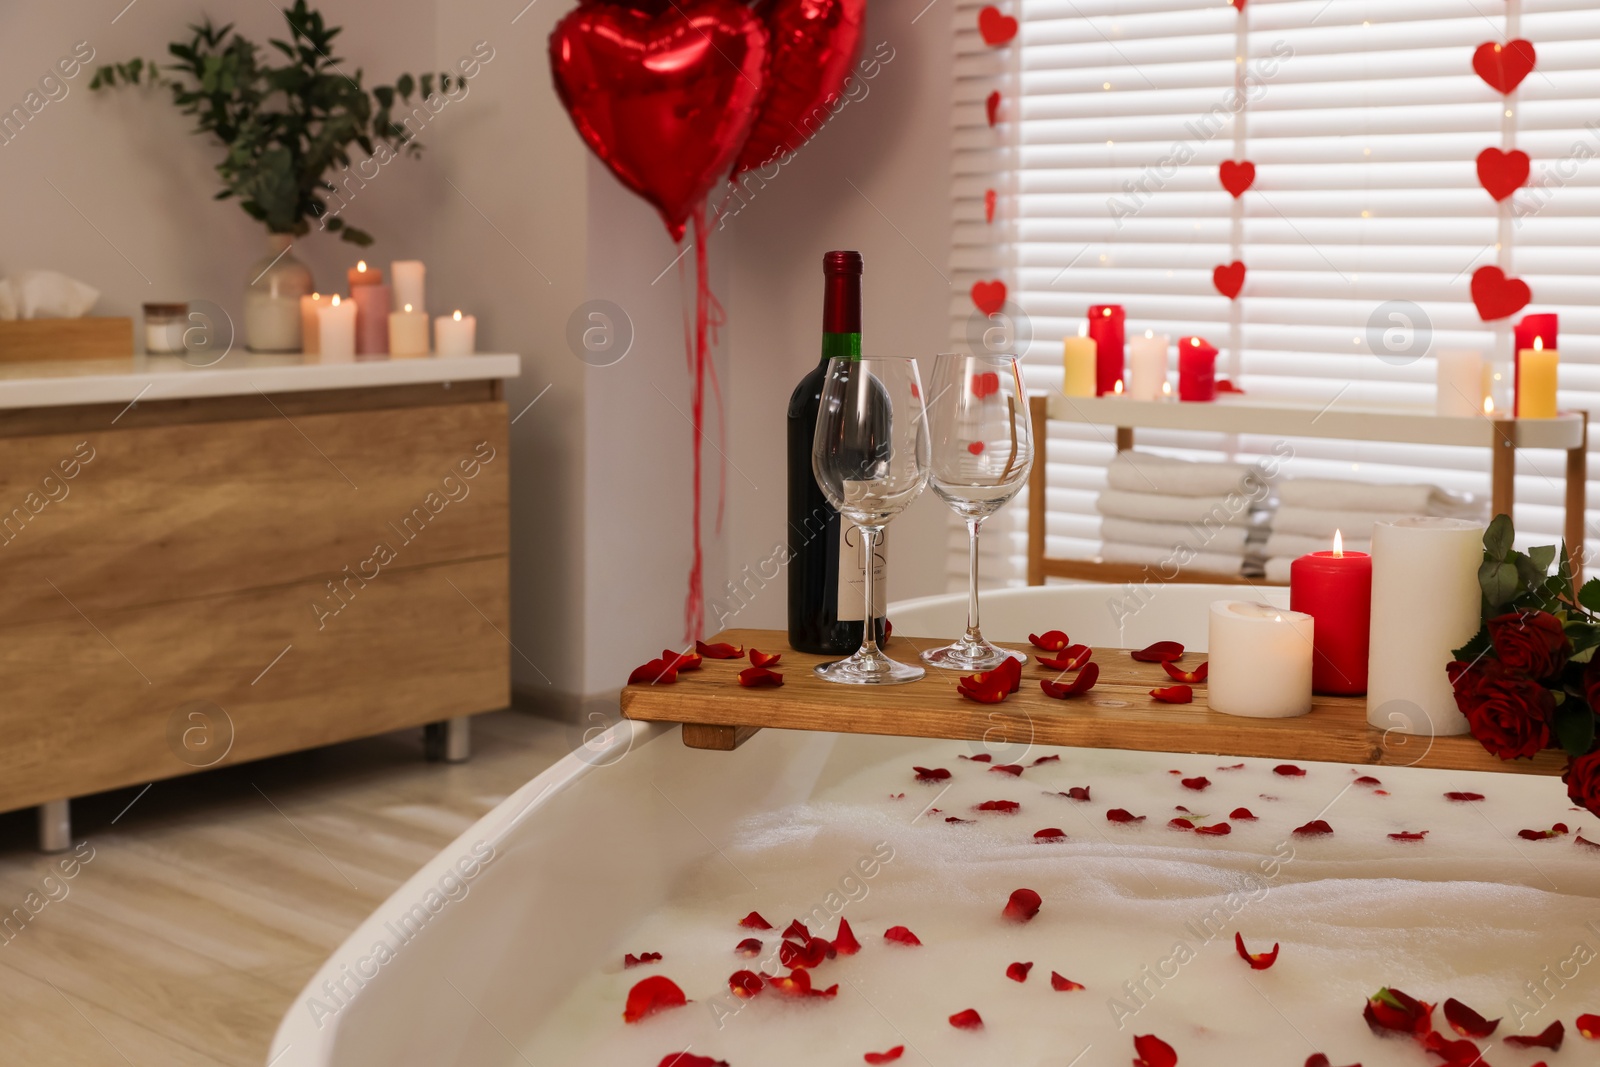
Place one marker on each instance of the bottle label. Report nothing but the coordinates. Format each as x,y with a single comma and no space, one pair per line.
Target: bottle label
841,346
852,574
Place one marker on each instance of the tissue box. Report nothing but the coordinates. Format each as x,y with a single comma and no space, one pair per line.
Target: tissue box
35,340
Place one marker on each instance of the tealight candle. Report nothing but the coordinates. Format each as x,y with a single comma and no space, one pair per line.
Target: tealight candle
336,328
1462,382
408,332
310,331
1147,365
1536,381
455,335
1335,589
1105,328
1260,660
408,277
1197,369
1079,357
372,317
1425,604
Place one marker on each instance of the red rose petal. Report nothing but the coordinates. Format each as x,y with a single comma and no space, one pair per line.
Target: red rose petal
885,1057
754,921
1191,677
982,757
1367,779
745,984
1063,985
1050,640
1050,833
967,1020
952,818
1008,807
1466,1022
1409,835
1392,1011
748,948
1232,767
653,994
656,672
1186,811
900,936
1220,829
1047,759
689,1059
799,957
1158,652
1589,1026
1180,824
720,650
630,960
845,943
1123,815
931,774
1463,796
1069,659
759,658
1314,828
1550,1038
1018,972
1462,1053
1023,906
682,661
1153,1052
1196,784
1258,961
797,931
1077,792
1006,768
1318,1059
1173,694
755,677
1079,685
1380,792
798,984
1558,830
1242,814
992,692
1289,770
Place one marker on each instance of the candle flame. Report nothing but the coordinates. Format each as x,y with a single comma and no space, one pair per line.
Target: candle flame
1149,334
1118,387
1083,329
316,296
1277,618
1195,341
458,316
1488,405
1166,388
1338,543
1538,344
408,307
1106,312
361,265
335,299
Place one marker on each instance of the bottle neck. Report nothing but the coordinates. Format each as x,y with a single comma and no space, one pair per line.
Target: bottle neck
841,316
841,346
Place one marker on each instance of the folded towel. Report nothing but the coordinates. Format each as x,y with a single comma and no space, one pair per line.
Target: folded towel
1208,562
1208,511
1291,545
1278,571
1146,472
1340,494
1225,539
1322,522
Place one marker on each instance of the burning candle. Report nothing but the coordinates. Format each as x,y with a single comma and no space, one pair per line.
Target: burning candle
336,328
1105,328
1335,589
408,332
310,331
1462,386
1079,357
360,274
1531,328
1536,381
1260,660
1197,369
1147,360
456,335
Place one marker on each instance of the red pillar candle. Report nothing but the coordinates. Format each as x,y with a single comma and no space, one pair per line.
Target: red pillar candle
1544,328
1197,369
1335,589
1105,327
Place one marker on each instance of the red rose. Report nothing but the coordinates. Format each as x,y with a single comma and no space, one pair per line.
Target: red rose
1583,781
1509,714
1530,642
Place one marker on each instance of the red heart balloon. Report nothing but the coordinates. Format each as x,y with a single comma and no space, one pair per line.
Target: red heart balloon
997,29
666,98
989,297
1504,66
1236,177
1502,173
814,42
991,105
1496,295
1229,279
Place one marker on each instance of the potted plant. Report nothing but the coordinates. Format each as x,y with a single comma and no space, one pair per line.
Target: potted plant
285,127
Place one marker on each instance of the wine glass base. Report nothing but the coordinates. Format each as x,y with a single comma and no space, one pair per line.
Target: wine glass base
861,669
973,656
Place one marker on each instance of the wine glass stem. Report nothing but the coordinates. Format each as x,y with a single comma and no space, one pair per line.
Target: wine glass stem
869,630
973,635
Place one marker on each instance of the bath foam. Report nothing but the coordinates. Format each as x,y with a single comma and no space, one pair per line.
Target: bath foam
1143,915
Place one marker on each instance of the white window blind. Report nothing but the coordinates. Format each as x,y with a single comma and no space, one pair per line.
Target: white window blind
1364,120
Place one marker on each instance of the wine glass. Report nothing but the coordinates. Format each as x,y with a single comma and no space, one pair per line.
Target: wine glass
870,458
982,452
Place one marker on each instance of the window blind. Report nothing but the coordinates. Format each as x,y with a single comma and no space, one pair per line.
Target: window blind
1360,232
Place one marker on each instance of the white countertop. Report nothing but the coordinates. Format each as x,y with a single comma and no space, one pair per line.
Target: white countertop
59,383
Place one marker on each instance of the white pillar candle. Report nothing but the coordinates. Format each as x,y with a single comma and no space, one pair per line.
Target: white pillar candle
408,276
1147,360
1425,603
455,335
1461,382
336,331
1260,660
408,332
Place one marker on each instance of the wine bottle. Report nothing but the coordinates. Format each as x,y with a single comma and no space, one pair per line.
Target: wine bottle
826,599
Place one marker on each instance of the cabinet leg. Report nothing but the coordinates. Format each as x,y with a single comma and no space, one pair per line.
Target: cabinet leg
449,741
55,826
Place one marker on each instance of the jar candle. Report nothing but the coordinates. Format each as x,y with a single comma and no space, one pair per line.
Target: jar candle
1147,365
1425,603
372,318
310,331
455,335
1105,328
408,277
163,328
1260,660
1079,359
1335,589
1463,384
336,327
1530,328
1536,381
408,332
1197,369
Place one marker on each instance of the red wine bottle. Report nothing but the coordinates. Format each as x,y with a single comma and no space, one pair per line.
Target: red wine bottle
826,600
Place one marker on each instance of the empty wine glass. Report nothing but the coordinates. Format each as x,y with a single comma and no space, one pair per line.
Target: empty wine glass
870,458
982,452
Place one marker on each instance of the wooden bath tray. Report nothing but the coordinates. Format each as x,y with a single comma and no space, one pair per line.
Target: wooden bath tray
717,713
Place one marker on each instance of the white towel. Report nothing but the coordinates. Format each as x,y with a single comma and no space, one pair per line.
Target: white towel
1291,545
1146,472
1321,522
1207,562
1157,507
1340,494
1278,571
1226,539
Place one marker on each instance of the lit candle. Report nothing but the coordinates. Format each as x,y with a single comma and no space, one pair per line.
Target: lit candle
360,274
1335,589
1078,361
1530,328
372,317
408,332
455,335
310,332
1147,365
336,328
1260,660
1425,603
1197,369
1536,381
408,277
1117,388
1462,382
1105,328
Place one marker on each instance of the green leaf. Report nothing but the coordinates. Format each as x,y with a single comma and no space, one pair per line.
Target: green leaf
1473,648
1499,581
1498,537
357,237
1542,557
403,85
1574,727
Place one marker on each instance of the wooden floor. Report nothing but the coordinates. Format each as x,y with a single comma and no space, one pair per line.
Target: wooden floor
209,901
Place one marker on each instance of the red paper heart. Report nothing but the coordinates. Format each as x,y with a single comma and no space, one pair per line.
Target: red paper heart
991,105
975,447
1504,66
1237,4
1229,280
990,197
665,100
1496,295
814,43
1236,177
1502,173
989,297
997,29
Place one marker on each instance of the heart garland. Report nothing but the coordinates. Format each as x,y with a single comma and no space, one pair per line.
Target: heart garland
990,198
997,29
1236,177
1497,296
1502,173
989,297
1229,279
1504,66
991,106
